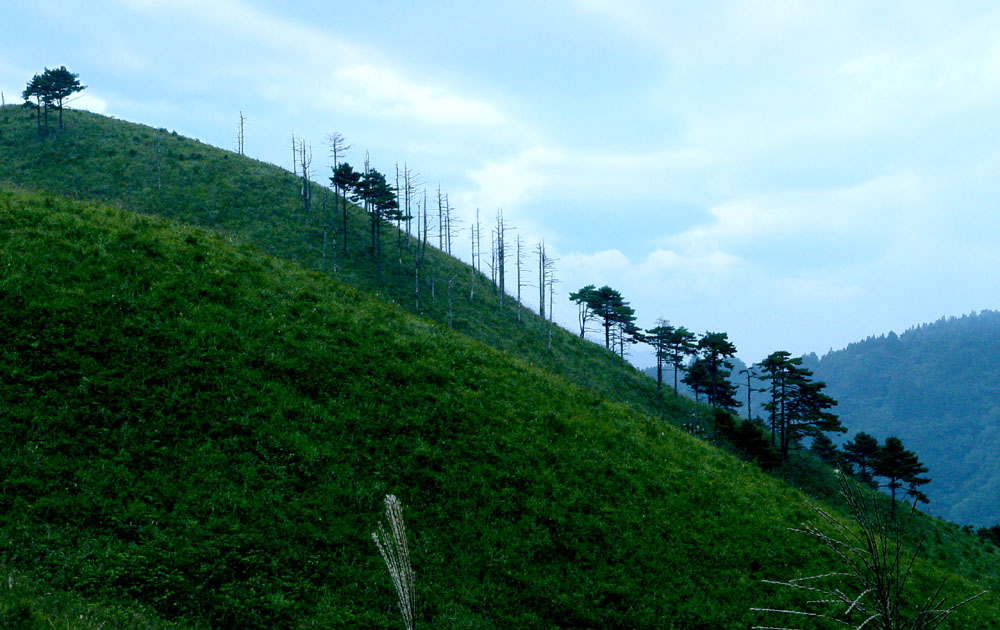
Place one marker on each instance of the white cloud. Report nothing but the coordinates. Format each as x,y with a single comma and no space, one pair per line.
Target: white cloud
90,102
543,173
287,59
867,213
382,91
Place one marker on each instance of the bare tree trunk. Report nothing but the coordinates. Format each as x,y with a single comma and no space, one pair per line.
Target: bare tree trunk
501,254
493,260
399,230
472,267
408,197
371,211
550,278
240,137
479,246
423,245
541,280
440,220
305,161
520,260
338,148
447,211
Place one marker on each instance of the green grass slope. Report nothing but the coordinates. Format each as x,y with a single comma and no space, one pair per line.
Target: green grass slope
194,433
152,171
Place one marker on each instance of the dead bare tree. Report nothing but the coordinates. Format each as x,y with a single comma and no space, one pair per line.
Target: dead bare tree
452,229
423,245
501,253
540,252
519,257
338,149
493,260
305,162
399,224
551,280
441,220
478,258
240,135
410,182
472,265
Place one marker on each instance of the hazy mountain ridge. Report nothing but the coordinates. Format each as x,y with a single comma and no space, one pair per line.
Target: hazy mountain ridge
937,387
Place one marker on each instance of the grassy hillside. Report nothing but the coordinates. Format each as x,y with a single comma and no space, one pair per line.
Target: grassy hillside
152,171
196,433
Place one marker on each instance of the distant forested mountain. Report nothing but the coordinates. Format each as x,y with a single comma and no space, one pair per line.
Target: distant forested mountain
937,387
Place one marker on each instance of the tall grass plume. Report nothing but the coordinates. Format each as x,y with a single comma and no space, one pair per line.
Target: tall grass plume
396,554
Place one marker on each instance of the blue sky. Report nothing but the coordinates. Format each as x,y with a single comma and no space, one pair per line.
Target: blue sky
798,174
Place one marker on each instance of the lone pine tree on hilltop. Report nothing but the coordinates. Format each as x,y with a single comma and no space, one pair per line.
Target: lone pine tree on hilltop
51,88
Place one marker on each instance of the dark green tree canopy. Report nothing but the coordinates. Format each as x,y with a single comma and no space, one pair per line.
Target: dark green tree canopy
697,377
51,88
673,346
608,305
584,298
715,350
902,469
798,406
824,447
862,451
346,180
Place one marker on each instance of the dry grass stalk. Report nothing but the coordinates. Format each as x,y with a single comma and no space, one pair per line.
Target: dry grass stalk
868,593
397,558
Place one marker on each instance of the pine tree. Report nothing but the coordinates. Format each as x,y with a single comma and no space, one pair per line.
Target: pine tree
715,349
862,451
346,182
798,406
824,447
902,469
658,337
680,346
62,84
583,299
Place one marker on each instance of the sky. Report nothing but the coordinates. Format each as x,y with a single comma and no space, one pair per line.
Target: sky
799,175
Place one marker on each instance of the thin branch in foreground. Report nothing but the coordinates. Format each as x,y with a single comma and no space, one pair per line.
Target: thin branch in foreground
875,567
